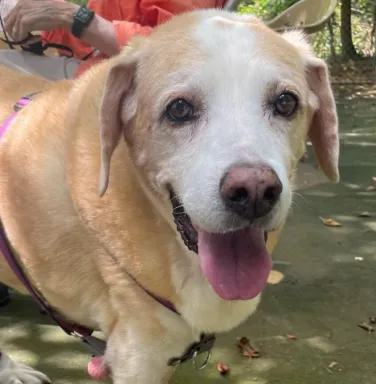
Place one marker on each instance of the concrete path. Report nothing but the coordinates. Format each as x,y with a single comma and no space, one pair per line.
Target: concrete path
328,287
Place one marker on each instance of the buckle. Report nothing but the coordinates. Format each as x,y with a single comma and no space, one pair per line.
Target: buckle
94,345
204,345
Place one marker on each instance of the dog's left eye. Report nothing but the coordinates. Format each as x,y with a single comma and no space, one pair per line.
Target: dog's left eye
286,104
179,111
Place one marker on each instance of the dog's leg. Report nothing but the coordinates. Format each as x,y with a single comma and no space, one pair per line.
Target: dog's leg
16,373
140,356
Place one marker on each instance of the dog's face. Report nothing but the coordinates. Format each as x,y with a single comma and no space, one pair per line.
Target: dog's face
216,108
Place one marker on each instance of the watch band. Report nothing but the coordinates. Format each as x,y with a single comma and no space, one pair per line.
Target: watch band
81,19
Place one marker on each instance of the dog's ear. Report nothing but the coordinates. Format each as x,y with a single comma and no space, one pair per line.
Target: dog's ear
118,108
323,131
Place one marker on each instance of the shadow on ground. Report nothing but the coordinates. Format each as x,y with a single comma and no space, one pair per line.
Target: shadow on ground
328,288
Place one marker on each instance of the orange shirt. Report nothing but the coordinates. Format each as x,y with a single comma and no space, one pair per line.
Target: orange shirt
130,17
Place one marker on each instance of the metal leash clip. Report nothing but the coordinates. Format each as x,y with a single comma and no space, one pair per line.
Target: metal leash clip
204,364
205,344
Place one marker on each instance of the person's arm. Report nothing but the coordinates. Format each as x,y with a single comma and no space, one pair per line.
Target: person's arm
109,37
55,18
100,33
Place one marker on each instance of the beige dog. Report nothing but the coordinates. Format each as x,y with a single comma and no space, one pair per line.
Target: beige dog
207,117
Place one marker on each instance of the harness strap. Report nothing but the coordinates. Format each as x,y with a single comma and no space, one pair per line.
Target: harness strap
95,345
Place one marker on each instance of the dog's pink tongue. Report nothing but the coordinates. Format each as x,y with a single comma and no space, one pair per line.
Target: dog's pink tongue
236,264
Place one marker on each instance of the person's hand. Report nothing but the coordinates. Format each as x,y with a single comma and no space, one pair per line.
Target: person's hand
38,15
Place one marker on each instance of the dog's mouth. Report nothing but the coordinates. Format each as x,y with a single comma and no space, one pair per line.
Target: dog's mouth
236,264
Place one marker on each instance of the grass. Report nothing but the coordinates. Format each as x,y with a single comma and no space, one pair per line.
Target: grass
79,2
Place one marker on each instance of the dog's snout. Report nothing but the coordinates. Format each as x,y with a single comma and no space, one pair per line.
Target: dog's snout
251,191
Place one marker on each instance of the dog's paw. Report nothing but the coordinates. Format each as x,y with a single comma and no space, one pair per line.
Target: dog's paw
16,373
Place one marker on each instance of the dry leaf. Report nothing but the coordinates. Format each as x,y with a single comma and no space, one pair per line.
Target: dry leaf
374,178
366,327
371,188
291,337
330,222
364,214
246,348
332,364
223,369
275,277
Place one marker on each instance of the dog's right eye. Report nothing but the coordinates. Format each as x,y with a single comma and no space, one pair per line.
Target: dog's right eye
286,104
179,111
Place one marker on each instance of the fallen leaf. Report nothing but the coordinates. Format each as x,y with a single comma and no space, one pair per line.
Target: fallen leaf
247,350
275,277
358,258
372,320
366,327
223,369
332,364
364,214
371,188
330,222
374,178
291,337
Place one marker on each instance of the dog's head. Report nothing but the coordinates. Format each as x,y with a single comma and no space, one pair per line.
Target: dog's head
216,108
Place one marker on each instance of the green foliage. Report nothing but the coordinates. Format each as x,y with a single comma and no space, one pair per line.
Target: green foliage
265,9
361,25
78,2
326,44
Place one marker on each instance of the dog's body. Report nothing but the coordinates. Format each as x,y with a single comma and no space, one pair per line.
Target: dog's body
79,249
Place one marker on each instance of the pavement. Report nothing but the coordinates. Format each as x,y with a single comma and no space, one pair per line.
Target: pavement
323,286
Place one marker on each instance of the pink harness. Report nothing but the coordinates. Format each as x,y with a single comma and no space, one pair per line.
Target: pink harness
96,346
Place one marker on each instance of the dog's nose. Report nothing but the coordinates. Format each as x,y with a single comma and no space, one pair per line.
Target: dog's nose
251,191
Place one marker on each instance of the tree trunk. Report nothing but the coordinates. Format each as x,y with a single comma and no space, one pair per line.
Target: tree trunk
333,53
373,32
348,49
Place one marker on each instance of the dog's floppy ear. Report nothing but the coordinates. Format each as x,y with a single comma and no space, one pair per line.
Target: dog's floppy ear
323,131
117,110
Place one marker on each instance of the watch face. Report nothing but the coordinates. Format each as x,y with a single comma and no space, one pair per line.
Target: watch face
83,15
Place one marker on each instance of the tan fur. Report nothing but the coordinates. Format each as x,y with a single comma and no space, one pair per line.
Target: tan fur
44,224
78,248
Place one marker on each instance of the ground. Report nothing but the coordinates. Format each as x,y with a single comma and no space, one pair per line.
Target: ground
327,287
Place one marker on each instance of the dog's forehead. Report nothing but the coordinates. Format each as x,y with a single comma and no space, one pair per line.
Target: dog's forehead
243,37
215,35
209,49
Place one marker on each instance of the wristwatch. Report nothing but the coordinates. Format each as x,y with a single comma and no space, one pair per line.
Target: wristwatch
81,19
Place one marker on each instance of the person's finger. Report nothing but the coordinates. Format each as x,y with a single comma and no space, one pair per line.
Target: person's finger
25,24
10,20
23,28
15,32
